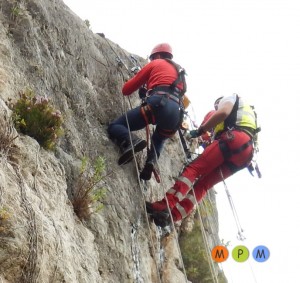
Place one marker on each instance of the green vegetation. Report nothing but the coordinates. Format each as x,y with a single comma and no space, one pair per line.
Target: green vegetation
16,12
87,22
35,116
195,257
88,194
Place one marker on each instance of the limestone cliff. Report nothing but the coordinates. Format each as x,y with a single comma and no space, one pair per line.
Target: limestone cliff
44,46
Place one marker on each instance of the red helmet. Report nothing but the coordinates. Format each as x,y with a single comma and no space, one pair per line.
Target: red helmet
162,47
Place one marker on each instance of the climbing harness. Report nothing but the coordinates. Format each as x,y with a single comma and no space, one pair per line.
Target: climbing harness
228,153
167,92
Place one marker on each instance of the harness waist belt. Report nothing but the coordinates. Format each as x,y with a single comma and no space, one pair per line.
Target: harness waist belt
251,132
174,94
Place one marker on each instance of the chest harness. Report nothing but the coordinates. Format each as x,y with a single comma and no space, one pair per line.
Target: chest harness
230,124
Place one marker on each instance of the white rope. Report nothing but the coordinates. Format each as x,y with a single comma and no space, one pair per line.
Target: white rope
140,186
137,171
215,221
172,220
141,189
240,235
252,271
207,248
206,244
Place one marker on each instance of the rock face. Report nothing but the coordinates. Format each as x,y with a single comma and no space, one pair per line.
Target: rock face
47,48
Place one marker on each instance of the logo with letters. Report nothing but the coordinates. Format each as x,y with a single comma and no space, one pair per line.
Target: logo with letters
240,253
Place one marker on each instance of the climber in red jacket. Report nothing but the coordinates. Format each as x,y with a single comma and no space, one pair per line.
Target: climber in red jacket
234,127
161,83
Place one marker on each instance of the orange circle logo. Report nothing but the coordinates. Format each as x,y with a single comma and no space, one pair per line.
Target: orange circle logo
219,253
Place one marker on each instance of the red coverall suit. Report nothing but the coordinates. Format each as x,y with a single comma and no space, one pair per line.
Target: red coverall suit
231,151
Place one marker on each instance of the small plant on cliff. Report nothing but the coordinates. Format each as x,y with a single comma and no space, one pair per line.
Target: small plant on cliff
4,221
87,22
15,12
34,116
88,193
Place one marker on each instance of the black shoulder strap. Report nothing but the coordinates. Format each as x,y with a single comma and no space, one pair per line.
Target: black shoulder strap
180,78
231,119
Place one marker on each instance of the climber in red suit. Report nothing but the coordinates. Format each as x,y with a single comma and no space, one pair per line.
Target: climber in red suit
234,126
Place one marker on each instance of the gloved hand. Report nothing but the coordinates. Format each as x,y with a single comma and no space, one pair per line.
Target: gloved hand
194,134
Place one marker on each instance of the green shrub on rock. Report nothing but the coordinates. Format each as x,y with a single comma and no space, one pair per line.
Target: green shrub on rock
34,116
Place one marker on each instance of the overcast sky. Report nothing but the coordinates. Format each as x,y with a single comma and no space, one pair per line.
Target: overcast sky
251,48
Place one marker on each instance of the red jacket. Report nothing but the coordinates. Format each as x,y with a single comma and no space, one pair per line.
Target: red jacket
156,72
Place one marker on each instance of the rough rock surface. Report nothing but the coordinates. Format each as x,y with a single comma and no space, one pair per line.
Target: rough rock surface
46,47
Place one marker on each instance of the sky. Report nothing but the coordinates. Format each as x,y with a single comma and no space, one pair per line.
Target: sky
235,46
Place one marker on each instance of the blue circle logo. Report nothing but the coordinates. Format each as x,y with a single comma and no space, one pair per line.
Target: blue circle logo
261,253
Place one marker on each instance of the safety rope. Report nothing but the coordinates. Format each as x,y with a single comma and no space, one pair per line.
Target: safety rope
206,243
207,248
240,235
169,210
145,210
163,185
215,221
252,271
140,186
121,63
139,181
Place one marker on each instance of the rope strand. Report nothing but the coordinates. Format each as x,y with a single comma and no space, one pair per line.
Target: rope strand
240,235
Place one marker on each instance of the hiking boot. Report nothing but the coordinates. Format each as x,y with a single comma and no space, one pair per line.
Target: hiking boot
159,213
156,206
162,219
147,171
127,153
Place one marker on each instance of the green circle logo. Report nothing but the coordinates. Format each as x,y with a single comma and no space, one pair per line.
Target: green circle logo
240,253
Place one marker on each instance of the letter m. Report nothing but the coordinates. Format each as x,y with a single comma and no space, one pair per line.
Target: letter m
260,254
219,254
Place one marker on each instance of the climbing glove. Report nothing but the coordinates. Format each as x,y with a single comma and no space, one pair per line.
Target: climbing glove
196,133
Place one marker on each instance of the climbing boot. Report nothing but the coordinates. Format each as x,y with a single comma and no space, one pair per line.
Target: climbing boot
126,149
162,219
156,206
159,213
147,171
